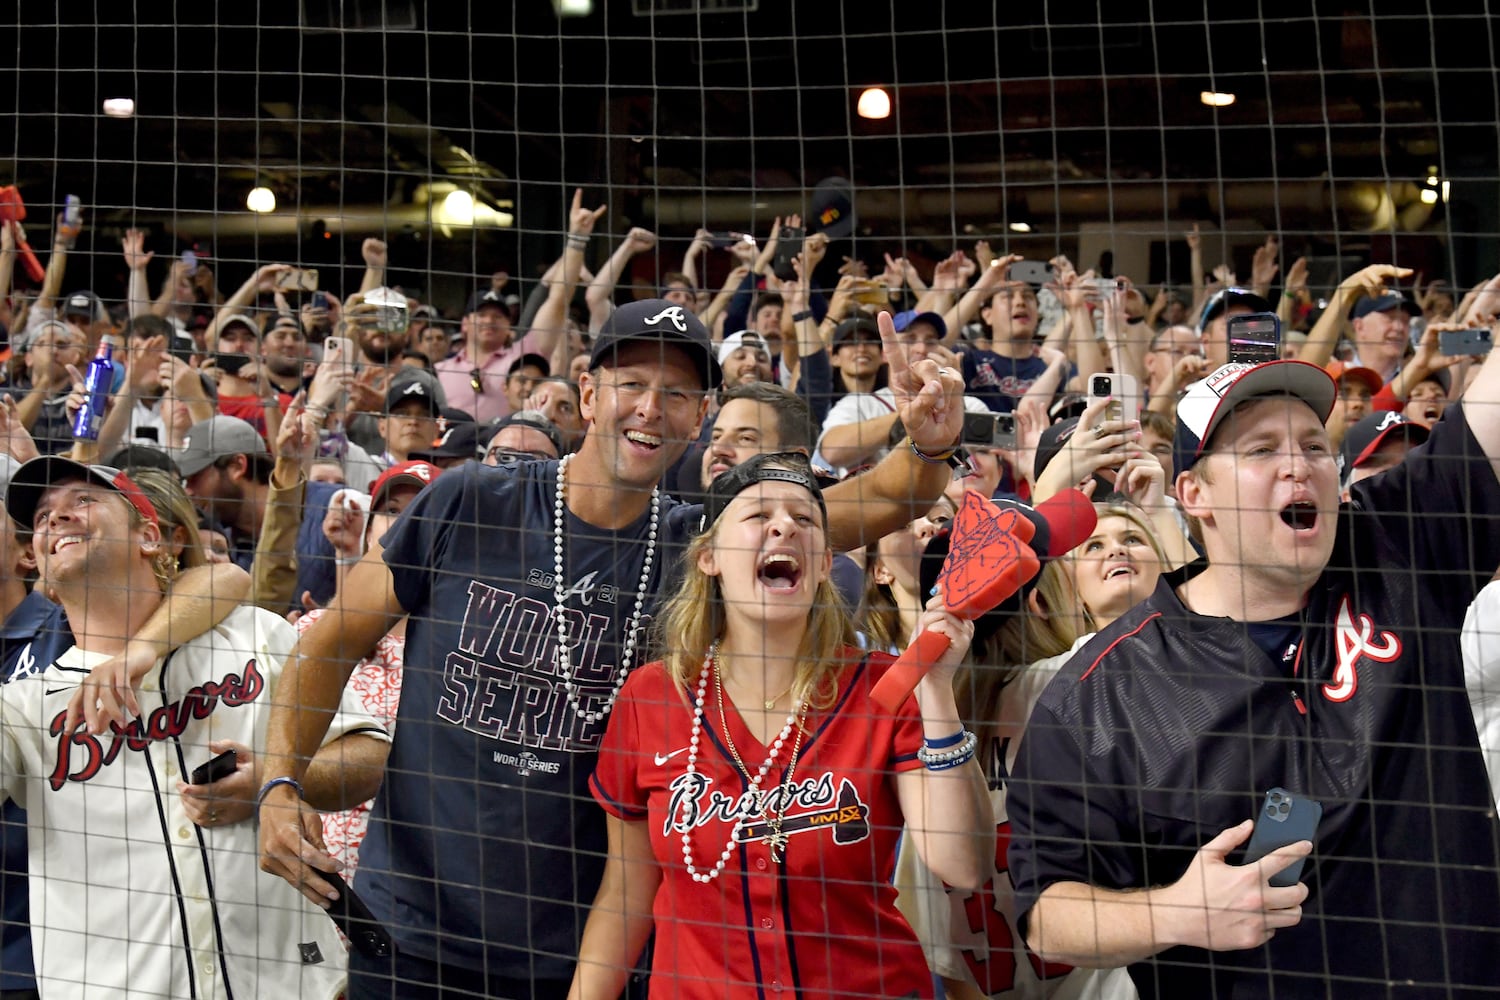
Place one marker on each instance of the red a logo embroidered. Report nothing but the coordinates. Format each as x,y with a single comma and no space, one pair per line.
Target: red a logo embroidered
1354,636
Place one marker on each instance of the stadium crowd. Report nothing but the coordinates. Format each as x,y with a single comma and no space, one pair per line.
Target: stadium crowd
627,565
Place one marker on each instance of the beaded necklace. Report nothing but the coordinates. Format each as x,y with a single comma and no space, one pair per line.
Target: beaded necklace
753,793
559,599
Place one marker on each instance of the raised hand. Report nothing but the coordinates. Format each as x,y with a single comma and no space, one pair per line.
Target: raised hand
929,397
133,244
639,240
1296,276
1371,280
16,439
983,254
854,266
1264,265
581,220
375,253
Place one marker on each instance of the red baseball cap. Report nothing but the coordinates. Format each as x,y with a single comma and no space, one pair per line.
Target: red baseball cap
1344,370
417,474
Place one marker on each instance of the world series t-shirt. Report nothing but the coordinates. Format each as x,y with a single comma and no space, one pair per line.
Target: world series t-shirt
485,848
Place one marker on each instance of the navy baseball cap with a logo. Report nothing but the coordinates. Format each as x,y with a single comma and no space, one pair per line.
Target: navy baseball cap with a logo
662,322
1204,406
402,390
23,494
1227,298
1384,303
486,297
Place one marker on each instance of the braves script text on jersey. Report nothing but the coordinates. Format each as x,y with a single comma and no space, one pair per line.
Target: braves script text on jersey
128,897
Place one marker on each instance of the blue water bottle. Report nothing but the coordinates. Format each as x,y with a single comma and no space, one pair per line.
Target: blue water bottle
96,385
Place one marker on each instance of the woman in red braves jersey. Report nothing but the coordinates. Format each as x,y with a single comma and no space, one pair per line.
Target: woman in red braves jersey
756,794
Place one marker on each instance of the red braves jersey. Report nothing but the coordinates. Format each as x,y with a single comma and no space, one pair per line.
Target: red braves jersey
824,923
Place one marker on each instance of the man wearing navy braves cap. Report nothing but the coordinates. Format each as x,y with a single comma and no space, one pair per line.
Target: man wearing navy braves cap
1382,331
1313,653
530,588
411,421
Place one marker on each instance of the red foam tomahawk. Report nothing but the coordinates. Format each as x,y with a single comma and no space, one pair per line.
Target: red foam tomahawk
989,558
13,210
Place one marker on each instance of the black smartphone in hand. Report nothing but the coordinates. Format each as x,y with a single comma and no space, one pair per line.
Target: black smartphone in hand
788,246
1284,819
355,920
217,769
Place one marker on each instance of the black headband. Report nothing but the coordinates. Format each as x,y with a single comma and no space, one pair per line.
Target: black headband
760,469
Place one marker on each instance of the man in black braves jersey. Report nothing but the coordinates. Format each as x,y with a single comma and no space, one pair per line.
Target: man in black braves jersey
530,588
1315,650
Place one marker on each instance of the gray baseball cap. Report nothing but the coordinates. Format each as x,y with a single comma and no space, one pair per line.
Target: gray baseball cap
210,440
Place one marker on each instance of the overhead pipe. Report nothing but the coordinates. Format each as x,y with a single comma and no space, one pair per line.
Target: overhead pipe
1361,205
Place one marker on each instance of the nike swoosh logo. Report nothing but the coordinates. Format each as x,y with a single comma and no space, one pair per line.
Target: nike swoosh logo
662,758
70,687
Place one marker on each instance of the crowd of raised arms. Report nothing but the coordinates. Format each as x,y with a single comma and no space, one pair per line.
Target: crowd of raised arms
628,564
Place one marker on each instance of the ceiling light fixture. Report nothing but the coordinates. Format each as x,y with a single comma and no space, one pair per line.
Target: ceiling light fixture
458,208
261,199
874,103
1020,227
119,107
1216,99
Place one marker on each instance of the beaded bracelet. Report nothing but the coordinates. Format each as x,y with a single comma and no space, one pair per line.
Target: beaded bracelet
931,459
943,760
578,241
283,780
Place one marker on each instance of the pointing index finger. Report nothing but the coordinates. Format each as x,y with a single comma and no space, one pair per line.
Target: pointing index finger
895,354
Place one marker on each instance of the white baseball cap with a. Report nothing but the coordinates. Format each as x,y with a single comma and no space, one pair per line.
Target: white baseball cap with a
1206,403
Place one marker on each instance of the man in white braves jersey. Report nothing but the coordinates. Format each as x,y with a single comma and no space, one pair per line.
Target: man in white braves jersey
136,890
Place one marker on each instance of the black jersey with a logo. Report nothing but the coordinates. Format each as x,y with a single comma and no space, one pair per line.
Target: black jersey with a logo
1170,727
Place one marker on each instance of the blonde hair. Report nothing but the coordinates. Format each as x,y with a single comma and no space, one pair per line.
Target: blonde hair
693,619
173,510
1137,517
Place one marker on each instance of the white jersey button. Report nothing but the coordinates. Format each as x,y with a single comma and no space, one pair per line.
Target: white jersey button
183,833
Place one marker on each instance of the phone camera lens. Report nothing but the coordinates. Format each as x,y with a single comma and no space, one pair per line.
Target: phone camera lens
1101,386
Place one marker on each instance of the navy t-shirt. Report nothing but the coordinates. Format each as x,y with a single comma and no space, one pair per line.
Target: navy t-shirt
998,380
485,848
34,635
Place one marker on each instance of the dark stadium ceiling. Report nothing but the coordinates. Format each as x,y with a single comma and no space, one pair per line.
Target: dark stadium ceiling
1001,110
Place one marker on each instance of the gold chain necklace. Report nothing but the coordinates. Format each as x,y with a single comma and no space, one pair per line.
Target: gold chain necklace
777,840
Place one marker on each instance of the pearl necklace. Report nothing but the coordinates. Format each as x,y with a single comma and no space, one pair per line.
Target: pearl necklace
753,792
560,597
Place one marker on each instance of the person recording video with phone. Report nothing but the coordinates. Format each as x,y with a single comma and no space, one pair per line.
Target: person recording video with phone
1311,656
